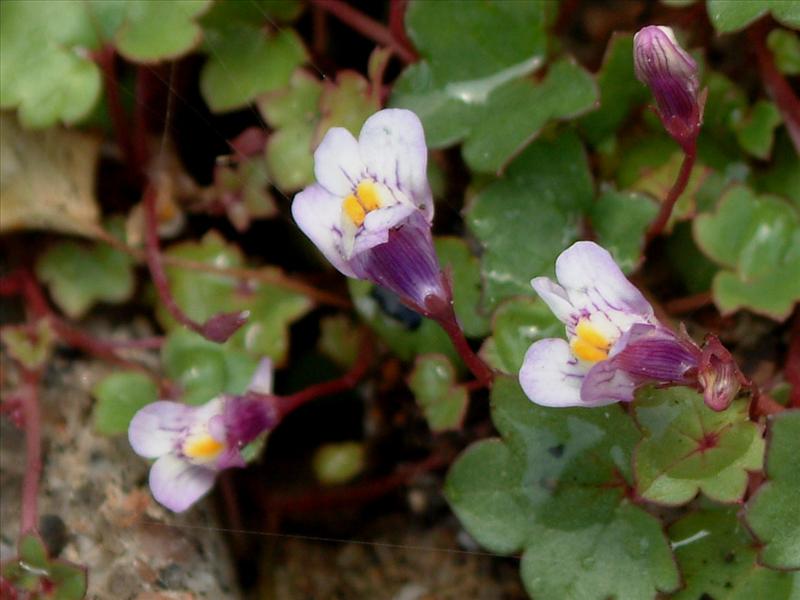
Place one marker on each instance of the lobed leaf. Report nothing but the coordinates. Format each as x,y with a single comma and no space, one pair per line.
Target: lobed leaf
443,402
119,396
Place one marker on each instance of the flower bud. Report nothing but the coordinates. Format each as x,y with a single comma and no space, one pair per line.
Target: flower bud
718,375
671,74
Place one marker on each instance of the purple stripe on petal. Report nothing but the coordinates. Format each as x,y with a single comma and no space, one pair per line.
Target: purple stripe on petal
550,374
406,264
605,384
654,353
156,429
178,484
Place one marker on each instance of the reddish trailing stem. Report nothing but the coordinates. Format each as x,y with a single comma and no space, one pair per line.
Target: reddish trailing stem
787,102
219,327
366,26
106,60
664,213
287,404
317,499
793,361
687,304
474,363
33,451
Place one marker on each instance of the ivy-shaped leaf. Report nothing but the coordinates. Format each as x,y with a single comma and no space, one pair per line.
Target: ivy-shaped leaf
785,45
202,294
32,571
687,447
46,67
347,103
620,220
443,402
717,557
31,346
772,513
554,488
516,324
756,132
79,275
205,369
245,58
526,218
727,16
620,91
757,240
119,396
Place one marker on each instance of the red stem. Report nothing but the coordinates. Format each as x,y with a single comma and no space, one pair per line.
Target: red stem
106,60
287,404
474,363
657,226
787,102
33,452
792,368
317,499
366,26
678,306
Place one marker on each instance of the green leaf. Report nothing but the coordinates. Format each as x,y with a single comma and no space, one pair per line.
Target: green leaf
347,103
45,69
31,347
245,58
339,339
154,31
718,560
485,45
756,132
785,45
405,332
296,103
727,16
517,323
33,552
443,403
201,295
70,580
693,267
80,275
119,396
620,220
687,447
335,464
620,91
515,113
772,513
757,239
782,175
554,489
48,179
205,369
526,218
455,256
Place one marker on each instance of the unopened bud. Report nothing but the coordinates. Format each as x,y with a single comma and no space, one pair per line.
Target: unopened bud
671,74
718,375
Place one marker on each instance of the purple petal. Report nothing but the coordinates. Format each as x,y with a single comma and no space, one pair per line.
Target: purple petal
551,375
178,484
654,353
261,383
595,283
337,163
392,146
377,225
605,384
246,418
230,459
318,214
406,264
156,428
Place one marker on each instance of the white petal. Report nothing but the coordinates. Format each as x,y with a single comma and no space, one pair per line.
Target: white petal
606,384
594,283
377,225
261,383
337,162
155,429
178,484
554,296
392,145
551,375
318,214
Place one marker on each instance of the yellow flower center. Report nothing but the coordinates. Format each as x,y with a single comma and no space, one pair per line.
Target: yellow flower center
365,200
589,344
202,447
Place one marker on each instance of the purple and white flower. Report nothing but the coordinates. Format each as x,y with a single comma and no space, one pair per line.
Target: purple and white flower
671,74
191,444
614,341
370,211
